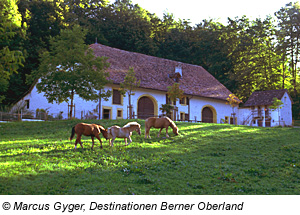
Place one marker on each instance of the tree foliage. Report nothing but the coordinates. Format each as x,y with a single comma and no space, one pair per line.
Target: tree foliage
245,55
128,86
11,58
70,68
174,92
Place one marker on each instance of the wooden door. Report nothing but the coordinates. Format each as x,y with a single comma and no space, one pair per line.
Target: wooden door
145,108
207,115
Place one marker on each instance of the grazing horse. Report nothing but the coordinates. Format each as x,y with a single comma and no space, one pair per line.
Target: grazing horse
92,130
163,122
125,132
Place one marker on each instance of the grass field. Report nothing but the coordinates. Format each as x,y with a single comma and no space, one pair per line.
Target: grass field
38,158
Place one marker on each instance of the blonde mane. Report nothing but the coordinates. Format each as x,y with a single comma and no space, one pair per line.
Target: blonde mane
130,124
172,124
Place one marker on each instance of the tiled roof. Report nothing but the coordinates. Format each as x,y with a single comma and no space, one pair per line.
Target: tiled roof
264,97
153,73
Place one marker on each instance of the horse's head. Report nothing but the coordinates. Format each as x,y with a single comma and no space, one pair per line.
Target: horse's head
133,126
103,131
138,130
175,130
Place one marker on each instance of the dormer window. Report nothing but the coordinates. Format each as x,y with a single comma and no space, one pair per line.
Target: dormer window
178,70
177,74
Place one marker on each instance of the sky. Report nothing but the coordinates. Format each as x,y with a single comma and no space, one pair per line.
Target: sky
197,10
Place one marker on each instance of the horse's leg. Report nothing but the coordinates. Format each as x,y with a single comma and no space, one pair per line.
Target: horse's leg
159,132
167,135
147,133
76,143
129,141
125,141
81,144
92,142
98,137
112,142
78,140
146,130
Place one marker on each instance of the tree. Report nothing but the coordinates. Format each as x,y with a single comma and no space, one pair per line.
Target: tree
174,93
10,60
70,68
40,19
233,101
166,108
289,38
126,26
252,50
128,86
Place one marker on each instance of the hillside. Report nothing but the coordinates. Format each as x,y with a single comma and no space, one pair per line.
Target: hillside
38,158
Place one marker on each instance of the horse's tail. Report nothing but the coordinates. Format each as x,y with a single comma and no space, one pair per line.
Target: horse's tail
73,133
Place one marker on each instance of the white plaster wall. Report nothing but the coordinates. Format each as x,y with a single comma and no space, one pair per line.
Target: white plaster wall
198,103
82,107
286,111
243,114
38,101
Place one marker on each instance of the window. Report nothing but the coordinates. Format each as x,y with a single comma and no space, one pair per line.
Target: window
184,101
117,97
186,117
119,113
106,113
27,103
182,116
168,101
226,119
231,120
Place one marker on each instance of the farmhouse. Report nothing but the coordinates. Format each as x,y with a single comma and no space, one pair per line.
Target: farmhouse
257,112
204,96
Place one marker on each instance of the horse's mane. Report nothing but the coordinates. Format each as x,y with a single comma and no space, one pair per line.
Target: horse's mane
130,124
172,124
101,127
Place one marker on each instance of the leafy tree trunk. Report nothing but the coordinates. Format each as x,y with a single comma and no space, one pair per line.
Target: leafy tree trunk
99,106
130,106
72,104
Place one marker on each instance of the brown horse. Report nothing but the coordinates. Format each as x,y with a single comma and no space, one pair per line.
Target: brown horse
125,132
163,122
92,130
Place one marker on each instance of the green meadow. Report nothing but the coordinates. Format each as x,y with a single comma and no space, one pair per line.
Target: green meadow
210,159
